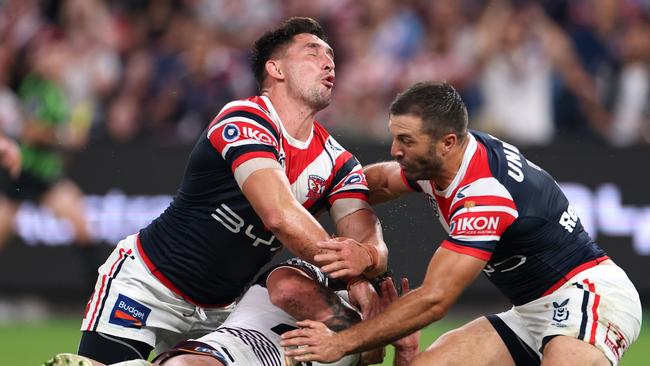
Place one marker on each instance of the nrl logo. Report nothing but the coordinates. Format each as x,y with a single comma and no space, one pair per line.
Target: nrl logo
560,312
316,186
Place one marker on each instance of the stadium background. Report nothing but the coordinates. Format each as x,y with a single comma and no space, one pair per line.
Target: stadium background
566,81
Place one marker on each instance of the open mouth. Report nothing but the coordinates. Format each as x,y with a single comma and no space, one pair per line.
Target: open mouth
329,81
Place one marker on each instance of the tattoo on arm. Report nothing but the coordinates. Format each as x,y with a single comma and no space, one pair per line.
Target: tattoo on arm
342,316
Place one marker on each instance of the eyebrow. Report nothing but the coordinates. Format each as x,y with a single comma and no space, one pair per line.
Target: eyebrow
328,49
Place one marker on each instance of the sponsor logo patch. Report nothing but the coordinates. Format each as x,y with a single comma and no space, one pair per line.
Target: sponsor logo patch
615,340
476,225
129,313
353,179
460,192
231,132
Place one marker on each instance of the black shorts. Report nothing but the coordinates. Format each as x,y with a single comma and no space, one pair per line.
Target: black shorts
27,187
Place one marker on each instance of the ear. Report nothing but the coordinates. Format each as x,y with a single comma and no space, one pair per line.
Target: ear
449,141
274,70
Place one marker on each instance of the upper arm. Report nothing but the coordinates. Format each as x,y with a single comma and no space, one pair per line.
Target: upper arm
269,193
386,182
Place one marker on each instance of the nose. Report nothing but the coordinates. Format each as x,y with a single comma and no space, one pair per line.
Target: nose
329,63
395,151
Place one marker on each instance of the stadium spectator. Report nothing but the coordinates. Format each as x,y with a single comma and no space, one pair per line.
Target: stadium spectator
507,217
254,182
46,134
287,292
560,59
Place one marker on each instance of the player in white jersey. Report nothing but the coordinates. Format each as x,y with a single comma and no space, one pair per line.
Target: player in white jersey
251,334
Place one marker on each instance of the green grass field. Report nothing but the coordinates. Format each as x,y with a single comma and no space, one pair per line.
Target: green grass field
26,344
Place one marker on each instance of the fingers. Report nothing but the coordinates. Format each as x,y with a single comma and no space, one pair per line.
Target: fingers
341,273
328,257
405,285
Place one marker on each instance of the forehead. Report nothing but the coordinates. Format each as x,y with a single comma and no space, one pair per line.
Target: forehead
404,124
307,39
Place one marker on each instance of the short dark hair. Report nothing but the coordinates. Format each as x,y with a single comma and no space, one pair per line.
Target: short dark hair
439,106
272,41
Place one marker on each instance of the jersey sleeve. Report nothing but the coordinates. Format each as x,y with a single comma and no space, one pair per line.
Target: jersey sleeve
246,138
349,189
413,185
479,214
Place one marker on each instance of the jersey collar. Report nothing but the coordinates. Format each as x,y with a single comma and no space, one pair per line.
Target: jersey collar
467,158
290,139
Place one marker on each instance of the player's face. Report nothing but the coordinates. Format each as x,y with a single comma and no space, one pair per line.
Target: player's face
413,149
309,67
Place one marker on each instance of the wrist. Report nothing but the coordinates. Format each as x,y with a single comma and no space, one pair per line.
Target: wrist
373,256
353,281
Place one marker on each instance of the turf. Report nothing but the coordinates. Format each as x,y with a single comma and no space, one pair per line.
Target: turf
29,344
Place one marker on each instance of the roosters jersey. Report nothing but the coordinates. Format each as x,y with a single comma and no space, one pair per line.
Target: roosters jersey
209,243
505,210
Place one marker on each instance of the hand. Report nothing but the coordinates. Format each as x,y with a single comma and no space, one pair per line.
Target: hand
10,156
363,296
312,342
342,257
388,294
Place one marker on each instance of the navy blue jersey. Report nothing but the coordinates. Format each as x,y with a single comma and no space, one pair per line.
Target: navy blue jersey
506,210
209,243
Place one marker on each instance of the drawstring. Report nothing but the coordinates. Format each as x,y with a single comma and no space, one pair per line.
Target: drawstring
199,311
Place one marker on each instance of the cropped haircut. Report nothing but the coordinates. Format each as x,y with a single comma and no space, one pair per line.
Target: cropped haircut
275,40
438,105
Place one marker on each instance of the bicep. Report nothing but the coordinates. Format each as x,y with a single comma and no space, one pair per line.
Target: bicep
267,189
360,225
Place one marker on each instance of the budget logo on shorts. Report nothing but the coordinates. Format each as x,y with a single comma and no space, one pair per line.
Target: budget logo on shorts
129,313
560,313
231,133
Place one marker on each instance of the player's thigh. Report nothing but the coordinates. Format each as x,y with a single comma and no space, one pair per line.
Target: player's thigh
569,351
476,343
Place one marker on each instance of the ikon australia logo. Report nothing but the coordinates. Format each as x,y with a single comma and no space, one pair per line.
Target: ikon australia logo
475,225
560,313
232,132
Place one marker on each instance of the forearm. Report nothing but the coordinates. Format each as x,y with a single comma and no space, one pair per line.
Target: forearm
411,312
298,231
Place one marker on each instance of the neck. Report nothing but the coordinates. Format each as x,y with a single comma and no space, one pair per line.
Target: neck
296,116
451,166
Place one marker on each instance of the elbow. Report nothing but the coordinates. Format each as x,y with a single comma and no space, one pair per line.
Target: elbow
274,219
281,295
436,305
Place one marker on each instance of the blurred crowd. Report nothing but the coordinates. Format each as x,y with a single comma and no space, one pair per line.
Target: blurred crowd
531,72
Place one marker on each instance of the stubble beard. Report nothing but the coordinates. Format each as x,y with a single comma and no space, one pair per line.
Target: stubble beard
425,167
317,98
